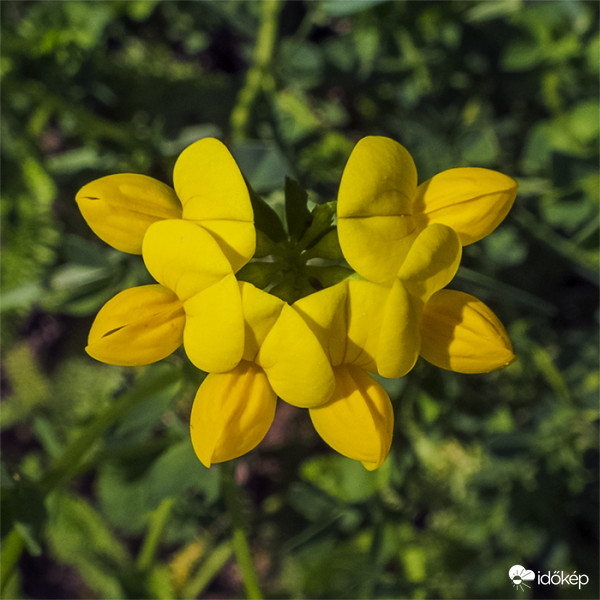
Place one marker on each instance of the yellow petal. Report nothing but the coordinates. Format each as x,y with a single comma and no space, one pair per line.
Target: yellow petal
214,194
358,421
213,337
231,414
120,208
366,301
295,363
237,239
261,311
472,201
138,326
183,257
326,314
460,333
375,247
375,207
432,261
367,325
399,338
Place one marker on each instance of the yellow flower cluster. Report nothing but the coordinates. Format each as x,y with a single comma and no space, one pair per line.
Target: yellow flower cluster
403,240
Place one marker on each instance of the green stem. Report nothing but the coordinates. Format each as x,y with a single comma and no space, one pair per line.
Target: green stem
207,572
259,76
11,552
158,519
240,541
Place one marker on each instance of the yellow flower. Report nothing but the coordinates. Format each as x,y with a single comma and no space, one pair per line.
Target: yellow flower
209,190
196,301
357,322
381,209
233,411
400,234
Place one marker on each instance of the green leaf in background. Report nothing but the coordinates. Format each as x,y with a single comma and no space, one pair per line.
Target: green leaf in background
345,479
72,525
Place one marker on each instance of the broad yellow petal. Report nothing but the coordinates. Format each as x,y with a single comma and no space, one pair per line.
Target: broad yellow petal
366,325
460,333
399,337
375,207
231,414
237,239
261,311
432,261
214,194
120,208
358,421
366,302
213,337
295,363
375,247
138,326
471,200
380,178
326,314
183,257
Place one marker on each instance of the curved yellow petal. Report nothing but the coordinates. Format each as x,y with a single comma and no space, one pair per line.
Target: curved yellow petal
473,201
261,311
138,326
326,314
120,208
365,311
237,239
183,257
213,337
366,325
460,333
375,207
399,338
375,247
380,178
358,421
231,414
432,261
295,363
214,194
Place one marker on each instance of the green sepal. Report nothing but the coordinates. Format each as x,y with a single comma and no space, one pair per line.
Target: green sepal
260,274
322,221
323,277
297,215
292,287
327,247
265,218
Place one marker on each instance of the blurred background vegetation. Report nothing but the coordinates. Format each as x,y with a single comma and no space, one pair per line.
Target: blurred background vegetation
486,471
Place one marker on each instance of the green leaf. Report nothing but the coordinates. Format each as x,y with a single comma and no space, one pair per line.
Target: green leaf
78,536
344,478
23,508
297,215
342,8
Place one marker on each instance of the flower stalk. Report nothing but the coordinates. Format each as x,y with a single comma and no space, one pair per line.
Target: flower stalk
259,77
241,547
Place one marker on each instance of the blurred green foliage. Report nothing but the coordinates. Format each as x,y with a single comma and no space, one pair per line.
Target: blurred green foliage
486,471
